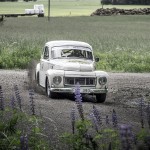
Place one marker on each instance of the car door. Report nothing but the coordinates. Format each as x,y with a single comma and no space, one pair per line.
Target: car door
44,63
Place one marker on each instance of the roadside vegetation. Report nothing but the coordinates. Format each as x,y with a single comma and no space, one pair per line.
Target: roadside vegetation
24,130
121,42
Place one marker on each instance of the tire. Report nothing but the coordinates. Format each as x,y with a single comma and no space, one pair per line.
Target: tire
37,78
101,98
49,93
40,15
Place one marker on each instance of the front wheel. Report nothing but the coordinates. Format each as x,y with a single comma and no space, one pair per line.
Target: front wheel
37,78
101,97
49,93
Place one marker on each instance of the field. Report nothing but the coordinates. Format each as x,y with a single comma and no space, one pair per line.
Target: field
121,42
61,7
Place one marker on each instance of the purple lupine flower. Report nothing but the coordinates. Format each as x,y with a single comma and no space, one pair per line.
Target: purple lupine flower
148,114
18,97
73,120
141,112
107,119
97,115
78,100
1,99
31,93
126,136
114,118
95,123
12,103
24,143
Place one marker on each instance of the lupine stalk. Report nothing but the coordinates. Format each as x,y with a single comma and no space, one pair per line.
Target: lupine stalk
97,115
1,99
18,97
95,123
78,100
141,111
24,143
73,120
114,118
126,137
31,93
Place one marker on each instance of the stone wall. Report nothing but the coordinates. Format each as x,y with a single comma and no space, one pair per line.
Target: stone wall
115,11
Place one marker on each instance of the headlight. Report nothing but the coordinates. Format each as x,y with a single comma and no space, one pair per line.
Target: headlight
102,80
57,80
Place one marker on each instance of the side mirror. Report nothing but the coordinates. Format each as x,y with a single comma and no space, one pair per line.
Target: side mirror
97,59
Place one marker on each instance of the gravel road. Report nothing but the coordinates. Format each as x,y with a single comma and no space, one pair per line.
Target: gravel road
125,91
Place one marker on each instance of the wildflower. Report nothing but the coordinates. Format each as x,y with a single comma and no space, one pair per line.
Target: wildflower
31,93
141,111
97,115
18,97
24,143
73,120
95,123
78,100
1,99
114,118
126,137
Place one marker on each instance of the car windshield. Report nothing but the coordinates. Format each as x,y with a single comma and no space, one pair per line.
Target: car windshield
82,53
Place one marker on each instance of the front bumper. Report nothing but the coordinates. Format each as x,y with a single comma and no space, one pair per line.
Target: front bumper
82,90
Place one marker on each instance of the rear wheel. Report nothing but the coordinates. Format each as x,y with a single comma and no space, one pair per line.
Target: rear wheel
101,97
49,93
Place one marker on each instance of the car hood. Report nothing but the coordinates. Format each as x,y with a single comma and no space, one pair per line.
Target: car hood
72,65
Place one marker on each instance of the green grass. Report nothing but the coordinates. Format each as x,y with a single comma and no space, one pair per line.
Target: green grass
61,7
121,42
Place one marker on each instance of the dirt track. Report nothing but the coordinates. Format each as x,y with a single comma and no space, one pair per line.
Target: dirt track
125,90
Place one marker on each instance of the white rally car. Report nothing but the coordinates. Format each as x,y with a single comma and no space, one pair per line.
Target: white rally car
63,64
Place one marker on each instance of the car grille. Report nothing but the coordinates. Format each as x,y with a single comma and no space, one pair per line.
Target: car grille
83,81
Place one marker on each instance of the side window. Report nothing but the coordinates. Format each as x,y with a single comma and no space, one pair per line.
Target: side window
46,53
52,54
89,55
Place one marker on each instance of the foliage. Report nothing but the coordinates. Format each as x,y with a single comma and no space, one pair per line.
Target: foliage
19,130
95,135
11,130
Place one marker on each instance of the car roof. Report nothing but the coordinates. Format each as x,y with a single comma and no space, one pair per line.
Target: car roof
67,43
